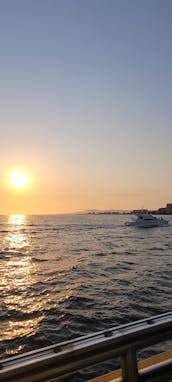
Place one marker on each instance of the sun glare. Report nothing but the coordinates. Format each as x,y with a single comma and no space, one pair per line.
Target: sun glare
19,180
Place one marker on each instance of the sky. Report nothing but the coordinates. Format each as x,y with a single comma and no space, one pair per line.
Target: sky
85,104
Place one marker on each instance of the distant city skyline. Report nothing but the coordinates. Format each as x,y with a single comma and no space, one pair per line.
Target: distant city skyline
86,94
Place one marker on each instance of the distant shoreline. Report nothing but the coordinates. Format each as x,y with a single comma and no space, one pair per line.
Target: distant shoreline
160,211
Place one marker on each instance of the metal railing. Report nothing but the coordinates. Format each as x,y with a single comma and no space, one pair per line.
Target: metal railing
68,357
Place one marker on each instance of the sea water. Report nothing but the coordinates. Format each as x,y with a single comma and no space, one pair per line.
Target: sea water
64,276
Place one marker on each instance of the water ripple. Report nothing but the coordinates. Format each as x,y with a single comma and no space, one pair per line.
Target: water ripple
66,276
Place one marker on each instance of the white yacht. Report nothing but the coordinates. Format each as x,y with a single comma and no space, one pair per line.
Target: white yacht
146,220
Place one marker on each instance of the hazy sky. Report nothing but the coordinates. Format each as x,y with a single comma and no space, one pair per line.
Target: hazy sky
85,109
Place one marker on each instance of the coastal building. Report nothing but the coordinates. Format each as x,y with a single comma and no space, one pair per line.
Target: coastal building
165,210
160,211
169,208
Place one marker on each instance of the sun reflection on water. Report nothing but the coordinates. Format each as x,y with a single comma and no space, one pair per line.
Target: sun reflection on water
17,219
17,272
17,238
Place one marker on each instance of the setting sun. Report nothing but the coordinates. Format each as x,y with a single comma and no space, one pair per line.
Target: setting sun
19,180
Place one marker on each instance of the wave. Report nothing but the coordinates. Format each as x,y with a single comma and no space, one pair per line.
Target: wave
78,275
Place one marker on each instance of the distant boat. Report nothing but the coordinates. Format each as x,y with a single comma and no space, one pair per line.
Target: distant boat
146,220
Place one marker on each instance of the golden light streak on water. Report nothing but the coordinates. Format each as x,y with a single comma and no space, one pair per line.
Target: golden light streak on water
17,238
19,328
18,275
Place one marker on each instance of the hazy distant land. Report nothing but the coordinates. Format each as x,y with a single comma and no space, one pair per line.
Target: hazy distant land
160,211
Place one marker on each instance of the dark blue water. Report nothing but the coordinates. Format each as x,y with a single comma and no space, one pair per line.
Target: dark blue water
66,276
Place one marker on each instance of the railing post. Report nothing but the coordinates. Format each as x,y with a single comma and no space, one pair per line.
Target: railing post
129,366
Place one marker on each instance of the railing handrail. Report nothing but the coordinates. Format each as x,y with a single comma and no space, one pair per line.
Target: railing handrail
61,359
